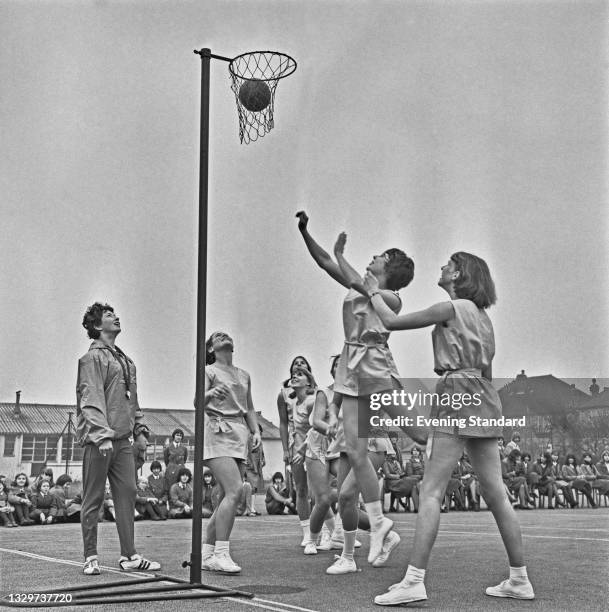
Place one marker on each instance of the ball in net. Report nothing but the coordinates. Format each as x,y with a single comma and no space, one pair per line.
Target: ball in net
255,95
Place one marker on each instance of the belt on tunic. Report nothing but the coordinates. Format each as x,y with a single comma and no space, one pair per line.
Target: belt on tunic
219,423
476,372
353,361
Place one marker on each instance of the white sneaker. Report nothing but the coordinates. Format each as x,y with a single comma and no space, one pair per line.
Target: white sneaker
339,541
516,590
325,541
305,541
137,563
390,542
205,563
221,563
91,567
342,566
310,549
403,592
377,537
43,518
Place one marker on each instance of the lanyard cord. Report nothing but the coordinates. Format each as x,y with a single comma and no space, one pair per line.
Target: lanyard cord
117,354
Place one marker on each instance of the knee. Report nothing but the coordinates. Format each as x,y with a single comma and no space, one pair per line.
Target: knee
429,491
323,499
356,458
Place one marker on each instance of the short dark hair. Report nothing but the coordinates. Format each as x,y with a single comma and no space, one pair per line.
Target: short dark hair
475,282
93,317
182,471
277,476
399,269
64,479
156,465
571,456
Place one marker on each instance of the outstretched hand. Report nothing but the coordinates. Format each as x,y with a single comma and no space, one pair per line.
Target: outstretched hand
371,283
303,220
339,246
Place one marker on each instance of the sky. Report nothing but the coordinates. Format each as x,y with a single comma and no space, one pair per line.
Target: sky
429,126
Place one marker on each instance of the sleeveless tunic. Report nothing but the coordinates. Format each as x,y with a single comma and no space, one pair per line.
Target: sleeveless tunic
366,365
463,348
226,432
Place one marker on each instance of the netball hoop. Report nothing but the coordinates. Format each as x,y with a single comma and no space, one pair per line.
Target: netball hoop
267,68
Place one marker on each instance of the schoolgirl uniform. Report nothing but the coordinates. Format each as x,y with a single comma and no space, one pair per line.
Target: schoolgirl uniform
175,457
180,495
17,497
7,516
463,348
226,432
366,364
43,504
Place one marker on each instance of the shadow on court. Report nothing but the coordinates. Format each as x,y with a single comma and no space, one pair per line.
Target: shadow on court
567,555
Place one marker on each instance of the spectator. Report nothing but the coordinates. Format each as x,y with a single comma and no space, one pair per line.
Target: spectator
414,472
532,477
277,499
512,472
61,493
561,483
19,498
175,455
569,473
45,474
145,501
396,482
546,485
245,500
44,504
180,495
454,492
393,438
159,489
513,444
602,470
7,516
502,452
211,495
469,482
590,472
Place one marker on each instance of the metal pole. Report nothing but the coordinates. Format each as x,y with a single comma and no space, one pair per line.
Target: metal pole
69,443
195,555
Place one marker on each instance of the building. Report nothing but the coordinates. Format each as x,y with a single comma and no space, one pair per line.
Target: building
556,412
37,435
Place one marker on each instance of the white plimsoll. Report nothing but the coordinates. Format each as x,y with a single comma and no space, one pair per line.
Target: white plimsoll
221,562
402,592
138,563
325,541
91,567
342,566
310,549
390,542
377,537
515,590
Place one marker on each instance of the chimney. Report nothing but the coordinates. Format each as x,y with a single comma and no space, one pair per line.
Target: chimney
17,403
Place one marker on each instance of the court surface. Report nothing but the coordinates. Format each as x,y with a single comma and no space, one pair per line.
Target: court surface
567,555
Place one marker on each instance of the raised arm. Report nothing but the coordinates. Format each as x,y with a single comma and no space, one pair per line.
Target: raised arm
321,257
438,313
348,271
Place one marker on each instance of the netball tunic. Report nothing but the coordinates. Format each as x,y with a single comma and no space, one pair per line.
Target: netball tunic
463,348
366,365
300,414
289,407
226,432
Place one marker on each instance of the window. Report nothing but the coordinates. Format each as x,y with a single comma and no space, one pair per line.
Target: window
9,445
76,450
39,448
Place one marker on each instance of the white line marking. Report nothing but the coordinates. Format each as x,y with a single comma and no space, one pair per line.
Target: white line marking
244,601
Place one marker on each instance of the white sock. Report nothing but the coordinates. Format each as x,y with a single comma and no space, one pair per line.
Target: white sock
414,574
222,547
375,513
312,537
518,574
305,528
349,545
338,522
207,550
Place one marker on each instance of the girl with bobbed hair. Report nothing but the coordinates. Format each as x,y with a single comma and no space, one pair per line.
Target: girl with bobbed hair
464,347
230,419
286,408
366,365
547,480
587,470
175,456
19,497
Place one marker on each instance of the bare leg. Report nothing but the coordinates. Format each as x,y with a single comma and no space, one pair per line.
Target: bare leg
302,493
228,476
320,488
486,463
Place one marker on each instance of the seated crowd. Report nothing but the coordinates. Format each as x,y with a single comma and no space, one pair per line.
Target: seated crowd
528,483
